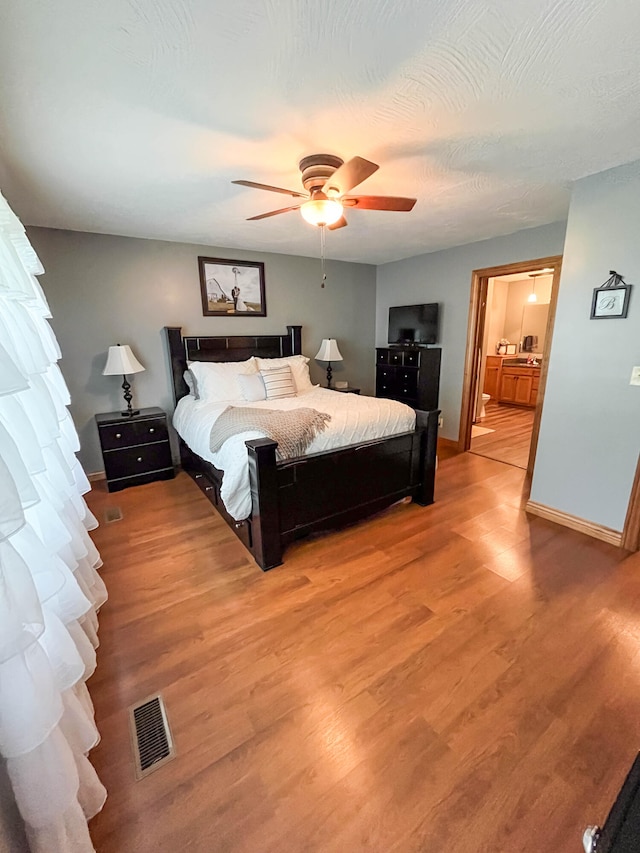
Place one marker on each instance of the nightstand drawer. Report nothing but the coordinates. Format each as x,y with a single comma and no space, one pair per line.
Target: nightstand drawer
131,461
130,433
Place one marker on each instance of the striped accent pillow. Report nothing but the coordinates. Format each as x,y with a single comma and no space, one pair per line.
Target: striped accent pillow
278,382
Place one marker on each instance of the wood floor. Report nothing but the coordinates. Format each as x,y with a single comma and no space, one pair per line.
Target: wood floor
511,437
459,678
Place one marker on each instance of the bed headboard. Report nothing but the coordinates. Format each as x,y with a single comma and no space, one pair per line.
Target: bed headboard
233,348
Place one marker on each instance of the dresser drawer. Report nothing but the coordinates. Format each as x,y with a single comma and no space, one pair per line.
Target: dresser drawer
131,461
407,376
131,433
386,381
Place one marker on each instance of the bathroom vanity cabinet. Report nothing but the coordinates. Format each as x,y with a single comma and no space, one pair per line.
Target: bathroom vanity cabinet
492,371
519,385
516,384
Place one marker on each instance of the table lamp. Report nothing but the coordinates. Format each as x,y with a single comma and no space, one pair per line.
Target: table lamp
120,361
329,352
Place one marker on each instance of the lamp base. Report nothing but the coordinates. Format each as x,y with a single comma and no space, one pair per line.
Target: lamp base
128,397
329,375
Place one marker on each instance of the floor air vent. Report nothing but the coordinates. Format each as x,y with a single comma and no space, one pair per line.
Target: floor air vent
112,513
151,735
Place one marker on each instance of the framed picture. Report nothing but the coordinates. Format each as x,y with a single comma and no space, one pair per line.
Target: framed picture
610,302
232,288
512,349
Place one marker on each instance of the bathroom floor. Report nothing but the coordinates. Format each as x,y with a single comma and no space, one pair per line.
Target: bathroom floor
510,435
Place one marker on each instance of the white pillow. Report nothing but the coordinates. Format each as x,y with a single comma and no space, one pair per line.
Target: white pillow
218,381
252,387
192,385
278,382
299,365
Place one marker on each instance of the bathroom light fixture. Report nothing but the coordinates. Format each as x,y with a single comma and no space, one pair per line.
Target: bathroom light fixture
321,210
533,276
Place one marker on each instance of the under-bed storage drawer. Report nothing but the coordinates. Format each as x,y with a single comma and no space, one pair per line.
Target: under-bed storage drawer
211,490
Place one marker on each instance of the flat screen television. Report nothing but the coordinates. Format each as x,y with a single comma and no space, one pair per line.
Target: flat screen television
414,324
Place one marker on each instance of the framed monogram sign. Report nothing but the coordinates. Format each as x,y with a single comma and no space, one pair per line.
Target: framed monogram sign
611,300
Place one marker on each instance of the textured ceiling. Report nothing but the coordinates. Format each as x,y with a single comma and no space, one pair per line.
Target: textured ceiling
133,116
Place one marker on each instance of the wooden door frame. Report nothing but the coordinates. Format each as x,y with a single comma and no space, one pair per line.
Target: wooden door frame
631,531
475,332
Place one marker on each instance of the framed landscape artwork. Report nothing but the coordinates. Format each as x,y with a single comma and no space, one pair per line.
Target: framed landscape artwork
232,288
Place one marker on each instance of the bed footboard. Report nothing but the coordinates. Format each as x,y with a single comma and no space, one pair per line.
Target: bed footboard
299,496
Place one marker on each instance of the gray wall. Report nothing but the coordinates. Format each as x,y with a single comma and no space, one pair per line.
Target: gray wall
105,290
590,430
445,277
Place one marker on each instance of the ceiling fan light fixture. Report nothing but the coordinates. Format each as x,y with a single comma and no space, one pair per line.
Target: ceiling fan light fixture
321,211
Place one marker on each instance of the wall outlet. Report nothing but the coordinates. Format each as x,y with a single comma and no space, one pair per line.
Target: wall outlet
440,421
635,376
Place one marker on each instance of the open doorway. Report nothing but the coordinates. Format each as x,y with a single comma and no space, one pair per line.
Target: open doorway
511,355
508,344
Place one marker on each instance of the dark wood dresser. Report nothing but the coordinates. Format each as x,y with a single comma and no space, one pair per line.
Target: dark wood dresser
621,831
135,449
410,375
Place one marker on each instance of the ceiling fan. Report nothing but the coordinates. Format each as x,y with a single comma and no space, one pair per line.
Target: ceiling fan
327,180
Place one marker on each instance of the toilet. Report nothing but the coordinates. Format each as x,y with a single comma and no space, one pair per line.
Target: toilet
485,400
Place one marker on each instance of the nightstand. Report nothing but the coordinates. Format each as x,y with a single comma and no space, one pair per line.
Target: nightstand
347,390
135,450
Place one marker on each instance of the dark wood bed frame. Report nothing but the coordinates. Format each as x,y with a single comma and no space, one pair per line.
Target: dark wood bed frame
295,497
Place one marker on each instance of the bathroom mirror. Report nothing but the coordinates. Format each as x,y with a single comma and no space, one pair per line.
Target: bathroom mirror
534,326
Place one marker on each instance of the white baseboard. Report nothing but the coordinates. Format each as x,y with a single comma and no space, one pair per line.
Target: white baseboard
97,475
597,531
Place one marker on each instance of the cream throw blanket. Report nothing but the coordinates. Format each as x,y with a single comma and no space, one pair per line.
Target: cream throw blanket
294,430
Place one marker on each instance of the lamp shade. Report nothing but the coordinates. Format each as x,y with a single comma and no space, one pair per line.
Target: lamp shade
329,351
121,360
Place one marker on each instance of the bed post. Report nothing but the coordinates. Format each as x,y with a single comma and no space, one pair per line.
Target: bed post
295,339
265,513
177,362
427,423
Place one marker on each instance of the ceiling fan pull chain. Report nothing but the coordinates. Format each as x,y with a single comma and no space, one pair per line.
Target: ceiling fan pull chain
322,251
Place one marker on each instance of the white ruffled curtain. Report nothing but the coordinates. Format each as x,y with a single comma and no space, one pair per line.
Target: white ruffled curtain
50,590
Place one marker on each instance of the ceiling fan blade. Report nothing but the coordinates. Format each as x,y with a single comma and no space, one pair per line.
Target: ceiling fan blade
274,212
256,186
350,174
341,223
378,202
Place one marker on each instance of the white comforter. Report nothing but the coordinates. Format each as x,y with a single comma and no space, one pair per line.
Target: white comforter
353,419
